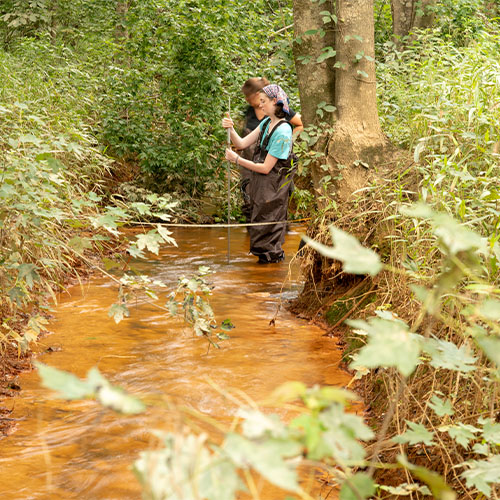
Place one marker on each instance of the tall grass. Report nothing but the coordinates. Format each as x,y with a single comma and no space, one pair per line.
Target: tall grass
443,102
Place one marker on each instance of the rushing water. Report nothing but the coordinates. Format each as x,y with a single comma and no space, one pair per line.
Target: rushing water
77,449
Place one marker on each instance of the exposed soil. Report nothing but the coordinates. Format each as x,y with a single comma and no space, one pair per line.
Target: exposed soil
11,364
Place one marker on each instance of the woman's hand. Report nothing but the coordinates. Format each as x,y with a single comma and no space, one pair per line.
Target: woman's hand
231,155
227,122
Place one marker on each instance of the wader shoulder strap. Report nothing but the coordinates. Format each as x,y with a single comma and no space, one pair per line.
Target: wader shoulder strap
269,135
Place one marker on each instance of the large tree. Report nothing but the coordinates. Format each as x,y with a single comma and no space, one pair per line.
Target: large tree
342,75
409,14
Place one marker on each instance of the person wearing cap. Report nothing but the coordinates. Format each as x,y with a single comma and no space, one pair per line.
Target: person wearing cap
271,171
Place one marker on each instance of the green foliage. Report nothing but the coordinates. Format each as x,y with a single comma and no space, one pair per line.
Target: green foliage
193,294
355,258
392,343
184,61
95,386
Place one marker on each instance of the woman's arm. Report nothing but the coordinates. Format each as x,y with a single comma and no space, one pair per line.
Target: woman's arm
296,121
261,168
240,143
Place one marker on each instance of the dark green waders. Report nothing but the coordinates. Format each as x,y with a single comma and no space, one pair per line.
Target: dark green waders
269,202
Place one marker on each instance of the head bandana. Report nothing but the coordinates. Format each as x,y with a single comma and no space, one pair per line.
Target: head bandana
276,92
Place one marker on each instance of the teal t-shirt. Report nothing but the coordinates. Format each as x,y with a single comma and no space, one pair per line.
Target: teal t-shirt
281,140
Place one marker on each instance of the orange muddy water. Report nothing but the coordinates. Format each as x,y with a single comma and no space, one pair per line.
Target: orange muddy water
77,450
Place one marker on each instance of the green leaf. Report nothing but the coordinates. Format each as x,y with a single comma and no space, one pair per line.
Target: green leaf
342,434
312,435
267,458
184,468
454,236
326,53
151,240
390,343
490,346
405,489
440,407
357,487
448,356
482,474
461,433
311,32
355,258
28,273
118,312
491,431
227,325
66,384
490,309
439,489
79,244
416,434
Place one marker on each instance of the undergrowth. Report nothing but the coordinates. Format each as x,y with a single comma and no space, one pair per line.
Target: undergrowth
442,104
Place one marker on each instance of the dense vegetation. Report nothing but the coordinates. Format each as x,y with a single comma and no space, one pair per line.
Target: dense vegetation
94,96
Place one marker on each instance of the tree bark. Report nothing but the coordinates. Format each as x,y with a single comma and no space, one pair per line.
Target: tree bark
316,80
409,14
424,16
357,142
403,17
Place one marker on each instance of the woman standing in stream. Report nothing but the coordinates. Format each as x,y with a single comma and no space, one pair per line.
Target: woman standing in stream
253,116
272,169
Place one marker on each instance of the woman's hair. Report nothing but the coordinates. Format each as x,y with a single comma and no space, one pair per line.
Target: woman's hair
253,85
278,107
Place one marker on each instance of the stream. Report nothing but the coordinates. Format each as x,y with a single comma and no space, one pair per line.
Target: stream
78,450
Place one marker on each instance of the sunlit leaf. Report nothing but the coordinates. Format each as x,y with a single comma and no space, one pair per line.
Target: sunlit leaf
357,487
118,312
118,400
463,434
440,407
436,483
490,346
166,235
184,467
491,431
289,391
151,240
490,309
417,433
390,343
266,457
447,355
482,474
405,489
256,424
356,259
66,384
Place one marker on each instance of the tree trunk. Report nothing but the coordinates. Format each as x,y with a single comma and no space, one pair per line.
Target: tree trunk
424,16
403,17
357,142
316,80
409,14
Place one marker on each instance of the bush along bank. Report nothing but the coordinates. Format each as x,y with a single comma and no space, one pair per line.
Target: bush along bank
57,218
424,309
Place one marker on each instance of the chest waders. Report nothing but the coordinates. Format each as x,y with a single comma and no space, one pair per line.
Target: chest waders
269,202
